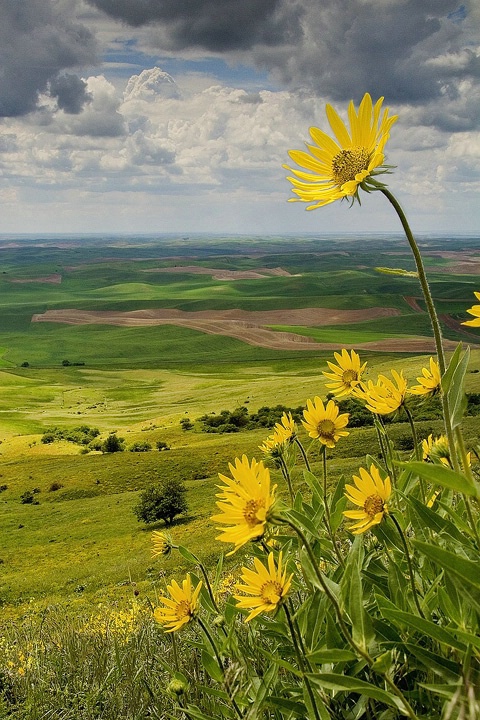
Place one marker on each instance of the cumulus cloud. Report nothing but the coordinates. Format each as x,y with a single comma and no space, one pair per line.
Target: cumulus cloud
152,84
39,40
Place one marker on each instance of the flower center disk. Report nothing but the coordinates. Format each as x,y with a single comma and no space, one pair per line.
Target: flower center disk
271,592
349,376
250,512
347,163
373,505
326,428
183,609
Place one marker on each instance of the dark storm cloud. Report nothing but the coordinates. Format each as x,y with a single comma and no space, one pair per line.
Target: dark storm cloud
215,25
71,93
39,39
392,49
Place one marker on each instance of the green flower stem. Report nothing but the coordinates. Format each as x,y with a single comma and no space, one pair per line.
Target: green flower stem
328,519
437,332
418,455
210,639
175,653
409,562
304,454
300,660
286,475
207,582
341,622
383,449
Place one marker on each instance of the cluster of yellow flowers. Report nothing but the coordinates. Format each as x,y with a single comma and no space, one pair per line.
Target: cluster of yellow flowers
17,661
119,622
247,497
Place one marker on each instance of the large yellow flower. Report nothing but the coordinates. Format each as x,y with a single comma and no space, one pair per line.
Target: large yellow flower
370,494
475,311
267,586
324,422
384,396
429,381
347,374
180,607
336,168
245,502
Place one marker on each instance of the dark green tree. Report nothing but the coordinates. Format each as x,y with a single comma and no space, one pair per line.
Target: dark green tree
162,502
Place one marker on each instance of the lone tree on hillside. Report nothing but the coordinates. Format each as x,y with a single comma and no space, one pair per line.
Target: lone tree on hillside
162,502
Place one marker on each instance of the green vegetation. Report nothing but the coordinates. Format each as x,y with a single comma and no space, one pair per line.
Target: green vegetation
162,502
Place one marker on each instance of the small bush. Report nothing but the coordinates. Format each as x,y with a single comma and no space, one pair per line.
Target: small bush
162,502
140,447
55,486
113,444
28,498
186,424
161,445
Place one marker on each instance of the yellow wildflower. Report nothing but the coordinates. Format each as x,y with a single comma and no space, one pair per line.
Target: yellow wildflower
475,311
324,422
245,502
267,586
337,168
384,396
346,375
180,607
429,381
370,494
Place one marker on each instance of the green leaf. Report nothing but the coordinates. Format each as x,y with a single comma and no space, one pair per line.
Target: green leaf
445,691
441,475
467,570
452,365
437,663
431,629
289,706
334,681
211,666
303,521
320,657
456,396
261,692
315,706
430,518
314,484
188,555
195,712
352,593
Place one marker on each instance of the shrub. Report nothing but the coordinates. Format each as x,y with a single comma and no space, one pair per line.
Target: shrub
162,445
162,502
140,447
55,486
28,498
186,424
112,444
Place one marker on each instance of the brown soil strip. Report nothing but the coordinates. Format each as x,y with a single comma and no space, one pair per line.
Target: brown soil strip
412,302
221,273
250,327
55,278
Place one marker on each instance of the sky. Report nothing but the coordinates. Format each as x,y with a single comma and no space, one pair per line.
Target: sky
176,116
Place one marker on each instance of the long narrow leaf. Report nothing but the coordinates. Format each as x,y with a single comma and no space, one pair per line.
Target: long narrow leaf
441,475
